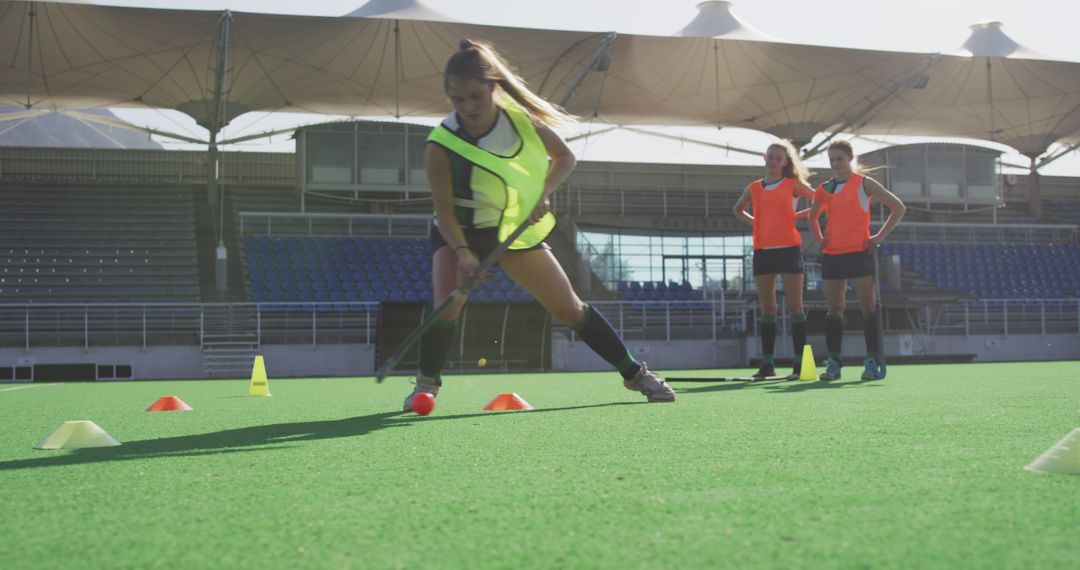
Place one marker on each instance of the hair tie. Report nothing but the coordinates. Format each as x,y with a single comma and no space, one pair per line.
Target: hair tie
466,43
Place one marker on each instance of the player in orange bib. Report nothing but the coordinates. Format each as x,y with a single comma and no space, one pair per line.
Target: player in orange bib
777,242
847,249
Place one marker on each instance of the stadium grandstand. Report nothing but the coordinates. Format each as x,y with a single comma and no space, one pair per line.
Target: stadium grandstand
109,261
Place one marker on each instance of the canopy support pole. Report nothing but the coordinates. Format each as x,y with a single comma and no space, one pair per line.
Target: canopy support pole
595,133
594,65
214,163
1058,154
110,122
730,148
397,69
1034,195
217,116
919,76
990,99
30,55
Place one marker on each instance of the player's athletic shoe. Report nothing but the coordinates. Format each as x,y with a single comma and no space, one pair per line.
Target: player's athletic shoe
832,370
766,371
796,370
423,384
871,370
650,385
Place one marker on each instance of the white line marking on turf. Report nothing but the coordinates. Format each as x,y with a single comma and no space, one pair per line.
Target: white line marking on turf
13,388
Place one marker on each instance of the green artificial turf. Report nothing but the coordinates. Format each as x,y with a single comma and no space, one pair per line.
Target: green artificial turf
924,469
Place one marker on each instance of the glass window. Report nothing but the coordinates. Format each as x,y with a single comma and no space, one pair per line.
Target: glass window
711,261
329,157
381,157
981,168
906,171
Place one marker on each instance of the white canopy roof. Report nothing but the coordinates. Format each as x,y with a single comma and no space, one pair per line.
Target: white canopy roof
716,20
387,60
989,40
400,9
994,90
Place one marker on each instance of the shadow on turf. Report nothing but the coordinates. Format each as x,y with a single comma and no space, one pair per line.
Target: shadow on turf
794,387
256,438
724,386
778,386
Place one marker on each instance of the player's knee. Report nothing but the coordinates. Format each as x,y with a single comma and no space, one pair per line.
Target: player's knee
453,311
571,314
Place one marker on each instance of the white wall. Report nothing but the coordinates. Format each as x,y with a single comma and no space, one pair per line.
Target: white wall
986,348
659,354
154,362
283,361
186,362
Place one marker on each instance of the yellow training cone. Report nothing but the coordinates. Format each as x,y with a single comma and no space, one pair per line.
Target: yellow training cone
259,385
1063,457
807,371
77,435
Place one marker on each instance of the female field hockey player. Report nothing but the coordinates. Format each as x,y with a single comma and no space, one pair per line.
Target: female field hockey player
848,252
489,163
777,244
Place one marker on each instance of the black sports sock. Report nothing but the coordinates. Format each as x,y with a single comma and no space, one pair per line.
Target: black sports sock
834,335
434,346
768,338
598,334
870,331
798,334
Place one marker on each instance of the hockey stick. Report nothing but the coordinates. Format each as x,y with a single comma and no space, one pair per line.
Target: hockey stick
460,292
789,377
882,370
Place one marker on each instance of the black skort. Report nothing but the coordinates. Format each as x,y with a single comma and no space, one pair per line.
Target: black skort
481,240
847,265
778,260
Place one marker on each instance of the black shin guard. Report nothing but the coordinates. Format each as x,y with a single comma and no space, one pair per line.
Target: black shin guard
798,334
599,335
434,347
870,331
768,337
834,335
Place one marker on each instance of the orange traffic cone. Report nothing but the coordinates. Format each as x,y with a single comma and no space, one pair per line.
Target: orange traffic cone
168,404
508,401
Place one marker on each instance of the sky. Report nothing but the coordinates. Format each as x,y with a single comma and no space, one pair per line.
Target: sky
1045,26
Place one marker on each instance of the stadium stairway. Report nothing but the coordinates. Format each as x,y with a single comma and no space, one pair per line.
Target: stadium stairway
229,340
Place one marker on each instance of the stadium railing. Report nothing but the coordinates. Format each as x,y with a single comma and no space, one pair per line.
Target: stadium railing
34,325
295,223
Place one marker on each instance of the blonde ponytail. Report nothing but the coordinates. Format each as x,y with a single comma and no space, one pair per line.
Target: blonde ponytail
478,60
